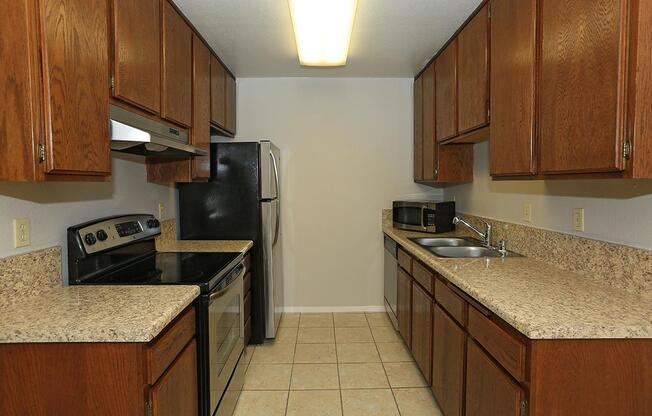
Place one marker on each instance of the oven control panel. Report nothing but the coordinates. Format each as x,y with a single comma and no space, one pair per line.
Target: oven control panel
116,231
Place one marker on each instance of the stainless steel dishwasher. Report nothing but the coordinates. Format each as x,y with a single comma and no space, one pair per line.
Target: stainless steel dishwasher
391,280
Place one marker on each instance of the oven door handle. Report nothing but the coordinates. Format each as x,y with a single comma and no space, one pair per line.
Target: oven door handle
236,274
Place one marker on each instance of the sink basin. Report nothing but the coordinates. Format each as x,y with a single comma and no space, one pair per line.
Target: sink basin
445,242
465,252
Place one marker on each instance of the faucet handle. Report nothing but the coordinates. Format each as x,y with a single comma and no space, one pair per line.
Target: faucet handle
502,246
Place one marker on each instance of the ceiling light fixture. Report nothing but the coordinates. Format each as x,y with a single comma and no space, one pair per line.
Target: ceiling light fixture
322,29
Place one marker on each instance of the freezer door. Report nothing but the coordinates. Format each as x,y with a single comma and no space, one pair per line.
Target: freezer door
270,159
273,265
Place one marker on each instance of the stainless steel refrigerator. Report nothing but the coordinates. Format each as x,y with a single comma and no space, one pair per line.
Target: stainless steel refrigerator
241,201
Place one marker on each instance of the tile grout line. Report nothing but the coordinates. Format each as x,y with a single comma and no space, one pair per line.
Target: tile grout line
398,409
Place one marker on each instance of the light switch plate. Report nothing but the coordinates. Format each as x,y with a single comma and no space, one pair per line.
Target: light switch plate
21,233
578,219
161,211
527,212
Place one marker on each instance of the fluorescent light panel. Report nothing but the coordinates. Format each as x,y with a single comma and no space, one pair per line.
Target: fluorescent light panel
322,29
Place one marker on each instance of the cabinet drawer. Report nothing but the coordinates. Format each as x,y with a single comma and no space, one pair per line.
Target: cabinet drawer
246,283
405,260
167,346
450,302
423,276
503,346
247,306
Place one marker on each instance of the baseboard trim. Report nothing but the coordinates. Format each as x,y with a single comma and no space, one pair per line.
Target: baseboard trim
323,309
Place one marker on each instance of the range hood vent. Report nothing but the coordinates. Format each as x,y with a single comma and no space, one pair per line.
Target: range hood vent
133,133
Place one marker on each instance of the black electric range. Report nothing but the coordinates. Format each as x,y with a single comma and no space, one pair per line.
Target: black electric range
122,251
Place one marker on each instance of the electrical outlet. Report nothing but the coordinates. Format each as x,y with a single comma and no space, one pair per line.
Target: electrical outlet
161,211
21,233
527,212
578,219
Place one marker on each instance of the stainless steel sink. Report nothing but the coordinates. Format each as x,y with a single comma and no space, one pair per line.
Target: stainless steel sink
446,242
466,252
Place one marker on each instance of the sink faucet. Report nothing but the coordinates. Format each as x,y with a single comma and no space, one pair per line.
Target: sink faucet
486,236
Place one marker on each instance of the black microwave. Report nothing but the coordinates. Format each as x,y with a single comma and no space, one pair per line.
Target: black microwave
425,216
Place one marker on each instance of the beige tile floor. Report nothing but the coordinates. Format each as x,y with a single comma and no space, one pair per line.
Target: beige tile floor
341,364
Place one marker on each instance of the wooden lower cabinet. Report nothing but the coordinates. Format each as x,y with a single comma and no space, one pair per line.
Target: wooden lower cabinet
404,306
489,390
422,305
448,354
103,379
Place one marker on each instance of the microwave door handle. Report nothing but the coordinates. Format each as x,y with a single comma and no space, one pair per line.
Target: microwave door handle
423,213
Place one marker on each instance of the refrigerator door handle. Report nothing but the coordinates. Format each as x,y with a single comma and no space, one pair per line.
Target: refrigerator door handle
278,197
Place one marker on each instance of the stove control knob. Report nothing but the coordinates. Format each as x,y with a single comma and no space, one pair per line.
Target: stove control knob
101,235
153,223
90,239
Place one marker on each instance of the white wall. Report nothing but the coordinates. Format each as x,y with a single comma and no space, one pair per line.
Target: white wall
618,211
346,154
52,207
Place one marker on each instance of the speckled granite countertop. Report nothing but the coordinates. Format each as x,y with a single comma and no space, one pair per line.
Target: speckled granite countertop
211,246
94,314
539,299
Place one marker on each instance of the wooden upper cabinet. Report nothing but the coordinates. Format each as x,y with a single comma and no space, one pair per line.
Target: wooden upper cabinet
19,83
200,134
418,129
430,148
218,93
230,104
76,86
422,305
176,100
472,73
581,93
489,390
446,92
137,53
513,54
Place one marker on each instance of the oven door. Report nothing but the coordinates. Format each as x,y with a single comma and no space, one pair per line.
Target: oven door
415,216
225,332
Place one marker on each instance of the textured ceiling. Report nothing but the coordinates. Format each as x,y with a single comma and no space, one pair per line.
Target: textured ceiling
391,38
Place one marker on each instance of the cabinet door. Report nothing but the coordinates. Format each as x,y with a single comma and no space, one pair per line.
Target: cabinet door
218,93
176,393
473,76
200,134
582,76
19,79
230,104
489,390
446,92
448,353
404,306
418,129
137,53
455,163
176,102
76,86
513,50
422,306
430,148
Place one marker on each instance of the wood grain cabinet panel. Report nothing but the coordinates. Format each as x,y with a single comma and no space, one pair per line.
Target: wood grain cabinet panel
450,302
200,134
489,390
423,275
137,53
404,260
230,104
176,392
218,93
422,305
176,100
19,91
446,92
76,83
473,73
581,94
448,354
418,129
513,54
429,144
404,306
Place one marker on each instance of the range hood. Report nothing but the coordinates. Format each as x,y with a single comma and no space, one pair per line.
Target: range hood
133,133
